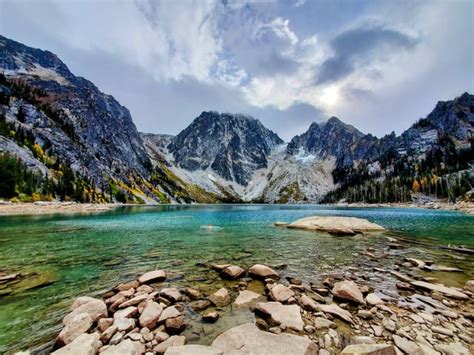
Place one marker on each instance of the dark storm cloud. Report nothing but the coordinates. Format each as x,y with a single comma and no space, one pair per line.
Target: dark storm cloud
357,47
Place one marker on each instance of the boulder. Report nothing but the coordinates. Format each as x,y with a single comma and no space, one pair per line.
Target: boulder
248,339
469,286
287,315
104,323
281,293
124,324
171,294
193,350
337,311
191,293
308,303
233,272
210,317
108,334
133,301
369,349
169,312
171,341
92,306
220,298
455,348
150,315
246,297
152,276
200,305
336,225
323,323
125,347
373,300
84,344
126,312
260,271
175,325
407,346
79,324
447,291
348,290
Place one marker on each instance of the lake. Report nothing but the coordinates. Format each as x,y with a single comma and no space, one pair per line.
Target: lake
65,256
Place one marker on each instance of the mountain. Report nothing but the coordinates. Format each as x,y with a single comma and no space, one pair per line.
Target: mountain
81,143
62,138
232,146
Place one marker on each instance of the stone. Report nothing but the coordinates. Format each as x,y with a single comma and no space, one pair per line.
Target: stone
84,344
469,286
152,276
191,293
400,276
373,300
124,324
245,298
336,225
362,339
171,341
133,301
161,336
323,323
95,308
171,294
308,303
175,325
447,291
104,323
145,289
348,290
441,330
233,272
117,338
281,293
169,312
128,312
389,324
200,305
260,271
79,324
337,311
295,281
127,286
455,348
407,346
416,262
126,347
210,317
220,298
193,350
108,334
287,315
248,339
369,349
219,267
364,314
150,315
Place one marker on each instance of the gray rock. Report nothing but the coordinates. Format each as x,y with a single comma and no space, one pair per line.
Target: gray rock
126,347
169,312
262,272
171,294
245,298
323,323
281,293
150,315
171,341
248,339
286,315
92,306
77,325
348,290
84,344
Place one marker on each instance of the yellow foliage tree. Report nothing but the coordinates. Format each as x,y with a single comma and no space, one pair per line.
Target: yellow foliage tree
416,186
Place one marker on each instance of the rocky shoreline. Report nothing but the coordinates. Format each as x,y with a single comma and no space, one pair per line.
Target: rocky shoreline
362,309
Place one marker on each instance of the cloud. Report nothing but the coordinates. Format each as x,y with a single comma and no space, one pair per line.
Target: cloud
360,47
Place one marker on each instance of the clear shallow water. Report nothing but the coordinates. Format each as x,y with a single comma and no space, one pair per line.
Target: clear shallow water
88,254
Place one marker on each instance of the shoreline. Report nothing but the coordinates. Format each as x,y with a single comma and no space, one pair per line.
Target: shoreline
56,207
355,309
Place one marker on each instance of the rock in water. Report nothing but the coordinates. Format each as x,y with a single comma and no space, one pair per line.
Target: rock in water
447,291
233,272
260,271
281,293
369,349
220,298
245,297
278,314
152,276
248,339
348,290
336,225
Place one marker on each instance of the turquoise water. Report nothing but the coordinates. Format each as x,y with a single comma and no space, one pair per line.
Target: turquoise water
69,255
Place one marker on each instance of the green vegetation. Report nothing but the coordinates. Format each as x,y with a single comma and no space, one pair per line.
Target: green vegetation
443,172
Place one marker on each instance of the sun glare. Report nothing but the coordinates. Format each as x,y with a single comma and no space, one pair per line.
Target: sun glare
330,96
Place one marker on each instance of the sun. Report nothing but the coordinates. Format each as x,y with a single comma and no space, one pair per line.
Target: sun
330,96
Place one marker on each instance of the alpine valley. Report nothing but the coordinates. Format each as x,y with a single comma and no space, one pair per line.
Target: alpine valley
62,138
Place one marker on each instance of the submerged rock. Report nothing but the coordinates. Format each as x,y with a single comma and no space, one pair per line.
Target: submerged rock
248,339
220,298
246,297
233,272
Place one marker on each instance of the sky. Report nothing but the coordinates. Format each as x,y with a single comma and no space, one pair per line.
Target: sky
378,65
